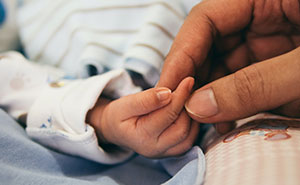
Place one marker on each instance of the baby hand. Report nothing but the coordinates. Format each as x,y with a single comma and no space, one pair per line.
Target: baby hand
153,123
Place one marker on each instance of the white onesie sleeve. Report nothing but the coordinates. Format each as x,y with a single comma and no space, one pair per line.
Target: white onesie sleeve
57,108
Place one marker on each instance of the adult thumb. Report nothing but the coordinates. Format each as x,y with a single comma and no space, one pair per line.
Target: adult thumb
259,87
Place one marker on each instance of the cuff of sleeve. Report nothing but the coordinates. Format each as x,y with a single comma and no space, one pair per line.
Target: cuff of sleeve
57,118
150,73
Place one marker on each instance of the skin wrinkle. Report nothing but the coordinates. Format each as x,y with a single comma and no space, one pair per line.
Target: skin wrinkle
229,43
292,41
251,51
272,15
184,134
285,17
262,86
295,20
213,28
139,124
243,88
264,40
173,115
215,33
251,54
251,86
190,59
184,49
185,130
276,33
186,144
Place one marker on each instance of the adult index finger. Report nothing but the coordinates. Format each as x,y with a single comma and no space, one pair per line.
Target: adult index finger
193,42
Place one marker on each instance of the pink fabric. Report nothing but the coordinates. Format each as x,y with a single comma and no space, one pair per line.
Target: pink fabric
263,151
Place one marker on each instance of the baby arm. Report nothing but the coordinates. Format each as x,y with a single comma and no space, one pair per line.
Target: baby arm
56,107
152,122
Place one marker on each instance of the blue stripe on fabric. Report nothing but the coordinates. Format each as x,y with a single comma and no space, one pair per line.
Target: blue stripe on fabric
2,13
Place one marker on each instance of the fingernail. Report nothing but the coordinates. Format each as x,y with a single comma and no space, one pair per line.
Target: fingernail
202,104
191,84
163,93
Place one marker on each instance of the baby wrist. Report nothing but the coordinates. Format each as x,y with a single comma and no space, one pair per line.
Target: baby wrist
95,118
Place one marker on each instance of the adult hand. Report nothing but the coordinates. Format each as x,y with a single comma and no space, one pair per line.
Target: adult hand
221,37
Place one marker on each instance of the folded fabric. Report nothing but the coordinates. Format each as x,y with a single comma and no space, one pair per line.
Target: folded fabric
134,34
187,169
26,162
56,107
57,117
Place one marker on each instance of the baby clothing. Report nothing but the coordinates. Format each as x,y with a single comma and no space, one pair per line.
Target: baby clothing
56,106
24,162
82,38
85,37
92,37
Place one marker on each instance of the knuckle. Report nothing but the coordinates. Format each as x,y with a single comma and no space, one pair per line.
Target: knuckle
172,115
183,131
250,88
143,103
146,101
188,145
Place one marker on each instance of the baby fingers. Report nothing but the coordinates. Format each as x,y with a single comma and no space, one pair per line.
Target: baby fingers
186,144
157,121
143,102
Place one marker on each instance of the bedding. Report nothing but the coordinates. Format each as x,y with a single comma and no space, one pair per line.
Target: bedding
23,161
